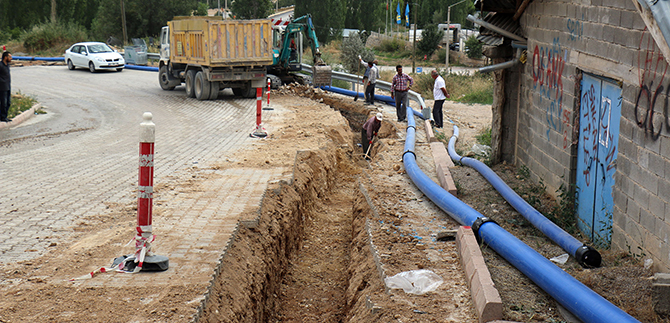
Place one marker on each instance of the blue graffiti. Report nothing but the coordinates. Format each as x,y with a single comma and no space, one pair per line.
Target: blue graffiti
575,29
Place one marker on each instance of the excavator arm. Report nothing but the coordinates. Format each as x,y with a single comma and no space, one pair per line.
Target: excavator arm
321,72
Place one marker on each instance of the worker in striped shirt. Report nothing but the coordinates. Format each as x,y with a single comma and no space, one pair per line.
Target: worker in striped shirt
399,86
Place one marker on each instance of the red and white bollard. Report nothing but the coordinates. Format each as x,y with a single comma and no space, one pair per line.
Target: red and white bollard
267,107
144,258
269,88
259,132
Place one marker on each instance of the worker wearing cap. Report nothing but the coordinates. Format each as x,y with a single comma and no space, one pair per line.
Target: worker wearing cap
369,131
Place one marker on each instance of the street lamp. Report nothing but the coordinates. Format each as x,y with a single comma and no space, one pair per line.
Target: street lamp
449,35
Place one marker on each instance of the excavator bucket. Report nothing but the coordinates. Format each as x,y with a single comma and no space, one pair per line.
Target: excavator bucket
321,75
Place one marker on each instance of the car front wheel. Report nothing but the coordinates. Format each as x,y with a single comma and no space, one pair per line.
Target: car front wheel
70,66
91,67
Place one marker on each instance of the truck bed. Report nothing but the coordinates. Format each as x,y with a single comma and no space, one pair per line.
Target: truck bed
212,42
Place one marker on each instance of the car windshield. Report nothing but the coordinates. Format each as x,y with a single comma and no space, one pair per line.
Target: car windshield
99,48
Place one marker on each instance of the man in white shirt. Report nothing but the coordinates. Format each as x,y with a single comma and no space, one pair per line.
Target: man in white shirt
439,94
372,81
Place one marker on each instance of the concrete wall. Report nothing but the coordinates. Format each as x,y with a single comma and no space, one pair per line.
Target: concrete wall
606,38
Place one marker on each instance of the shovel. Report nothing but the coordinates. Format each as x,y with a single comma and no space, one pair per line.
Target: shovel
367,153
358,69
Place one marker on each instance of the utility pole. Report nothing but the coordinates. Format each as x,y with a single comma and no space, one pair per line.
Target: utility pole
123,22
386,25
53,11
414,41
449,34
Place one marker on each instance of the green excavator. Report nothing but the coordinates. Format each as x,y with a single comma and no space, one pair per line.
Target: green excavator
287,47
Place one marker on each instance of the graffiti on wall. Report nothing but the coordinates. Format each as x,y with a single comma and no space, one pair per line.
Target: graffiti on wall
596,116
575,29
547,66
589,130
651,73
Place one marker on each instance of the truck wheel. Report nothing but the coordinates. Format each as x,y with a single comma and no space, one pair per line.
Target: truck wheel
213,90
201,86
190,82
275,81
249,92
164,80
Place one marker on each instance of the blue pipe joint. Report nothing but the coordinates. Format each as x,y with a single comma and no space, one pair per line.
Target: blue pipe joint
588,257
478,224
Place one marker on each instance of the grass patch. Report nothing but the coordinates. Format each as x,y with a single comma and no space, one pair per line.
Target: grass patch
20,103
484,136
462,88
52,39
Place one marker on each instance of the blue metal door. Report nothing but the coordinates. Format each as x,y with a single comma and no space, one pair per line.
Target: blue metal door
599,116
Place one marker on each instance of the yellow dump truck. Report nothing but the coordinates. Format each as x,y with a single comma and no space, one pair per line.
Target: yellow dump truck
209,54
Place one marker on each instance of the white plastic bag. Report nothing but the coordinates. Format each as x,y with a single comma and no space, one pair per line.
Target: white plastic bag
562,259
481,150
416,282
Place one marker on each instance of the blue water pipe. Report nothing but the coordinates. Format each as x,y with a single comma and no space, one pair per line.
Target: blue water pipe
581,301
142,68
383,98
585,255
35,58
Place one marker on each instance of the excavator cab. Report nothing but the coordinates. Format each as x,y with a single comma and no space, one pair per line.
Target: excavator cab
288,44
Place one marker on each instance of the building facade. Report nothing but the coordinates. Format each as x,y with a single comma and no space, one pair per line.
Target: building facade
586,111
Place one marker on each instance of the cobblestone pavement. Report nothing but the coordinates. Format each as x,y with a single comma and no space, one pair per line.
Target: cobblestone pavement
82,156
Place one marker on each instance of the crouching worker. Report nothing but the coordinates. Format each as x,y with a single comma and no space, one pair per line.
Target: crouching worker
369,131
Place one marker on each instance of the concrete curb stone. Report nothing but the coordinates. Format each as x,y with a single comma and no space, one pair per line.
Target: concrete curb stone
25,115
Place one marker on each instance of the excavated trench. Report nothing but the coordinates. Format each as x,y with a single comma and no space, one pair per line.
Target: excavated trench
307,256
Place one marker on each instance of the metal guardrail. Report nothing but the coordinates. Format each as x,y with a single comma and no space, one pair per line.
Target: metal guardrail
153,56
383,85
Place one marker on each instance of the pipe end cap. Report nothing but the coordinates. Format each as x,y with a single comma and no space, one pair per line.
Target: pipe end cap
588,257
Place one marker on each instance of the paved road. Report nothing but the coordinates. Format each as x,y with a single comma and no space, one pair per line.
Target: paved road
82,155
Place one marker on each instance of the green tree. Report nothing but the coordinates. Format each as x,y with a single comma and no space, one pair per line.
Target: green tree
202,9
352,47
365,15
327,16
144,18
286,3
474,47
251,9
430,38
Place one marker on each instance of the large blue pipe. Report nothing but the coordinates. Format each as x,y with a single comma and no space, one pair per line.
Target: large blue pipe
581,301
142,68
31,58
384,98
585,255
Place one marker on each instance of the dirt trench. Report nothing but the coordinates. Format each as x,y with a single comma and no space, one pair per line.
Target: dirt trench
306,257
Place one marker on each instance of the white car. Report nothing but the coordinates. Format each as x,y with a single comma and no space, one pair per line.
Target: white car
94,56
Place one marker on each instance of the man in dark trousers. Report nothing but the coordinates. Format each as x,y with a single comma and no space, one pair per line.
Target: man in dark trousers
439,94
5,86
399,87
372,81
369,130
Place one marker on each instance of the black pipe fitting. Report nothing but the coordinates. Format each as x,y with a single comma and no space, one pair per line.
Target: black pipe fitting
588,257
477,224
